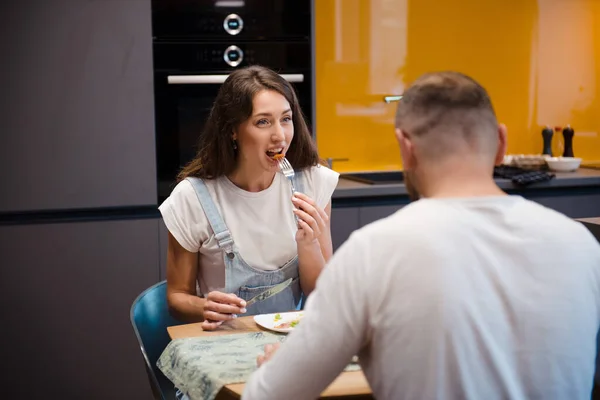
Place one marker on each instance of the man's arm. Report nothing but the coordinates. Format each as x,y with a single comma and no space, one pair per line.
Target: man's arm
333,330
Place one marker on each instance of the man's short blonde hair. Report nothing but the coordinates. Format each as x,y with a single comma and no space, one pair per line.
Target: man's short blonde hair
449,111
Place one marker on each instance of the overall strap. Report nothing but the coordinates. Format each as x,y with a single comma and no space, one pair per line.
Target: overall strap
215,219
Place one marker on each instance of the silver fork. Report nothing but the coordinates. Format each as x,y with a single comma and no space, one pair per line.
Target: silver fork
288,172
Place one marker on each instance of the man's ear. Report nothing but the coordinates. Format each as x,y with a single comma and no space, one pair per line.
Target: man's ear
502,143
406,149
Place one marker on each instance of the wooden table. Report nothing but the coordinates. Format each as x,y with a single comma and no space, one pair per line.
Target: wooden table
348,385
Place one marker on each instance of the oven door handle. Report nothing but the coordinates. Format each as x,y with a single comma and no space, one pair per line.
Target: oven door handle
216,79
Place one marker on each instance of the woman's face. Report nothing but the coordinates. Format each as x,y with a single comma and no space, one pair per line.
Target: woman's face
267,132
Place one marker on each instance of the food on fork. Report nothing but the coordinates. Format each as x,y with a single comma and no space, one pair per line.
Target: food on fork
276,154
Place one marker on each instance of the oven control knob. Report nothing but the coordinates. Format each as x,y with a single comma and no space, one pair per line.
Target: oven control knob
233,56
233,24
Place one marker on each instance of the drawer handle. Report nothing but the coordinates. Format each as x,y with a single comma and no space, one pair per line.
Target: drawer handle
389,99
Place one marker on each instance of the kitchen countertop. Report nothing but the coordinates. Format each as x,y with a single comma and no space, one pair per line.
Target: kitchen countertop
583,177
595,221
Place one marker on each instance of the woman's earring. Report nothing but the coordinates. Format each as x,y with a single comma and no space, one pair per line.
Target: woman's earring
234,144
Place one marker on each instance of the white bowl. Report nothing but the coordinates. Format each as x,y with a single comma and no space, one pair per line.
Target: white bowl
508,160
563,164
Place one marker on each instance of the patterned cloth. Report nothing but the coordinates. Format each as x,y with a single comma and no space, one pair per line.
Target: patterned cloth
201,366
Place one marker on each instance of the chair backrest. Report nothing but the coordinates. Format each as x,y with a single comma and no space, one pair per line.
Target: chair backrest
150,318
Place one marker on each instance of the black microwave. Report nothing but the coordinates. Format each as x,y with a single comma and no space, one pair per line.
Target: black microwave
196,44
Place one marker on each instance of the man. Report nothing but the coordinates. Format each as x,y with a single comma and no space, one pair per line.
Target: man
467,293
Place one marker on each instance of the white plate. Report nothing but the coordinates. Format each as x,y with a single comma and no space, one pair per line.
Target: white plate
269,322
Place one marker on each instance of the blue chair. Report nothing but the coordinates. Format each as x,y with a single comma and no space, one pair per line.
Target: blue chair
150,318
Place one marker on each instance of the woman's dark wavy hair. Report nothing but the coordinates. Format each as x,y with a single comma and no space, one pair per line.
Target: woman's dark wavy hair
216,155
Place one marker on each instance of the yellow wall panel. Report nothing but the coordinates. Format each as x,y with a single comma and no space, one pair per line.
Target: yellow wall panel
539,59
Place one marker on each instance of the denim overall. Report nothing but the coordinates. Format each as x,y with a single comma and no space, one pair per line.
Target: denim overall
242,279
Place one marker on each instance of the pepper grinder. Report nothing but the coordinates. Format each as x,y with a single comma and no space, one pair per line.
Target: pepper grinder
568,133
547,134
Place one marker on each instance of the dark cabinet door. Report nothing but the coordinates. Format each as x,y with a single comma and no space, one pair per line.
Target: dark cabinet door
344,221
164,241
370,214
584,204
66,291
77,105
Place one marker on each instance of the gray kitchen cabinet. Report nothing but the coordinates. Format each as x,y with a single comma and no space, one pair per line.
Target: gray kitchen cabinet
344,221
77,114
574,205
370,214
66,291
77,148
163,234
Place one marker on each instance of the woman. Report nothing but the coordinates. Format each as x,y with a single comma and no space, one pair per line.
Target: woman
232,230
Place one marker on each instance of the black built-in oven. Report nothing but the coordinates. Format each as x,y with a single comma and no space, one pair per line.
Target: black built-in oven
197,43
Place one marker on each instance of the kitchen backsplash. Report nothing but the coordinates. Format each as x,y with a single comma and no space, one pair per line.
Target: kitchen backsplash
539,59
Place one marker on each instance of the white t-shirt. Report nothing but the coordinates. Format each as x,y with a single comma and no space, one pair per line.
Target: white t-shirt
261,223
482,298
